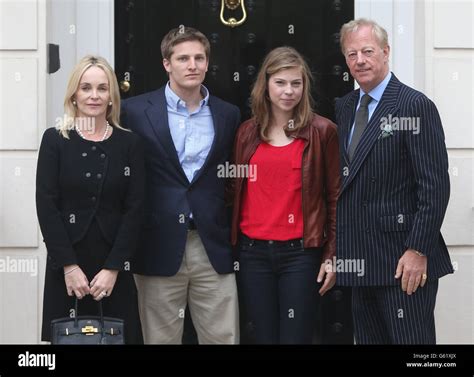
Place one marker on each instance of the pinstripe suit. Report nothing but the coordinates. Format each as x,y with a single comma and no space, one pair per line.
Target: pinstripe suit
393,197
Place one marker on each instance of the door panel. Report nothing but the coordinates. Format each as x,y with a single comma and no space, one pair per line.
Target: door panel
311,26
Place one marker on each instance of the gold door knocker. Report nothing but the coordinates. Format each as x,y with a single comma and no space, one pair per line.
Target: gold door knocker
233,5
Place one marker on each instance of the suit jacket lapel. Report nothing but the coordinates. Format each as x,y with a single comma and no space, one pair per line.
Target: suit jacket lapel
387,105
158,116
218,122
346,123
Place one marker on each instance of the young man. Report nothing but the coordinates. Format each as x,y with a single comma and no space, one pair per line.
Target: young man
395,189
185,256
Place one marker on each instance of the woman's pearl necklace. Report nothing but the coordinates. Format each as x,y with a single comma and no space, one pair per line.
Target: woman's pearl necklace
103,137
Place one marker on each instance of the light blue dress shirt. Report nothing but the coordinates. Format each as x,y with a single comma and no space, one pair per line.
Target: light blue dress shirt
376,95
192,133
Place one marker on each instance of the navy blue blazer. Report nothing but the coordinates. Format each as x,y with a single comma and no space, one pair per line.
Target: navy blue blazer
170,197
395,190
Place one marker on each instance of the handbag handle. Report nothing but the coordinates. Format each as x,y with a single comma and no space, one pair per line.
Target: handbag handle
76,311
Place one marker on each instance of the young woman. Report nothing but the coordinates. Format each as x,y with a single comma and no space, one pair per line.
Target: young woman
284,215
89,190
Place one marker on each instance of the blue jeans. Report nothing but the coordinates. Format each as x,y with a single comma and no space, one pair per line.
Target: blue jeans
279,288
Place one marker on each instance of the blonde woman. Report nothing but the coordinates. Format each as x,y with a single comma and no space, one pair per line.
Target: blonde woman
89,190
284,215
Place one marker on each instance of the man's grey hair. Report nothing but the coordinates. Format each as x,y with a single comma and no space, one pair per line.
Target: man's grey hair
378,31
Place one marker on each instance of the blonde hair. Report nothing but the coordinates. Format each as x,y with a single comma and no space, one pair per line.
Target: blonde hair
70,111
277,60
378,31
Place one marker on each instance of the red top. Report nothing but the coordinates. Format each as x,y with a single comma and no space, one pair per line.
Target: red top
271,203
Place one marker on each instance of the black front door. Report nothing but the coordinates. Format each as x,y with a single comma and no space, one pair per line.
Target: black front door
311,26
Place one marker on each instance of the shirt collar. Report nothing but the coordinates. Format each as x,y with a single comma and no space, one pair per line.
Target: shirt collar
377,92
173,100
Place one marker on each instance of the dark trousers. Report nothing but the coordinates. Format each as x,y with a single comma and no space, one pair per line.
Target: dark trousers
279,288
387,315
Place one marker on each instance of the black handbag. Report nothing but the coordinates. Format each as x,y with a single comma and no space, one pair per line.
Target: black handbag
87,329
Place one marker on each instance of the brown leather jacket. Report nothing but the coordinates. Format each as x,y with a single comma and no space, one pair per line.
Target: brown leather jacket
320,175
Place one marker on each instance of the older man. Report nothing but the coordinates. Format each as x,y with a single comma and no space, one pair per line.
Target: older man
395,189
